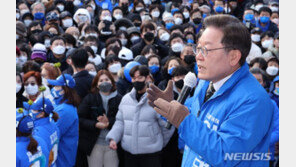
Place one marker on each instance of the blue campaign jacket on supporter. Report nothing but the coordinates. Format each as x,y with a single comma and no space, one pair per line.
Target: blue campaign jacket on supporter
24,158
105,4
236,119
68,127
271,89
49,132
275,131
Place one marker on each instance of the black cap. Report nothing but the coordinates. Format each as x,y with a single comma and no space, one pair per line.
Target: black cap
52,16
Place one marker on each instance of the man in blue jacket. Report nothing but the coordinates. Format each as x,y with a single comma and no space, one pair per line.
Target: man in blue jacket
230,121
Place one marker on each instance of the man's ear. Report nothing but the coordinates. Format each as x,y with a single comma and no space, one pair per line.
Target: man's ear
234,57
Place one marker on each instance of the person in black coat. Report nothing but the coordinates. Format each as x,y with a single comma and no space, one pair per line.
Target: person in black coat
19,91
97,114
81,76
148,32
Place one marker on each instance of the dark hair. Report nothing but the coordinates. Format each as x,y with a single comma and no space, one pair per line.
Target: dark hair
147,48
267,33
110,59
166,65
52,25
117,7
71,96
53,72
55,116
119,32
176,35
194,11
179,12
115,49
101,11
31,65
190,33
91,28
20,93
57,38
90,38
179,71
154,56
33,144
35,74
25,48
265,9
89,49
79,58
187,25
143,69
33,24
33,39
113,40
153,6
69,39
94,88
259,71
274,59
262,62
177,27
147,25
235,33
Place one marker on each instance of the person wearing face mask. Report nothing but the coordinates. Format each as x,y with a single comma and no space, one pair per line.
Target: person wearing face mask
97,114
272,67
266,40
219,7
178,18
124,83
20,58
133,35
83,79
188,57
186,13
155,13
106,30
42,114
19,91
249,18
66,103
163,35
82,16
21,33
148,34
196,19
104,4
39,53
264,22
27,18
113,65
91,68
122,35
32,83
57,52
38,11
139,150
155,68
124,5
255,36
66,20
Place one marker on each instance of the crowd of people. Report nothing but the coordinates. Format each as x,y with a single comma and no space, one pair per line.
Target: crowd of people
83,68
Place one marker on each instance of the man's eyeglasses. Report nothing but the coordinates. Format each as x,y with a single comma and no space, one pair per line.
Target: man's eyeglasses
204,51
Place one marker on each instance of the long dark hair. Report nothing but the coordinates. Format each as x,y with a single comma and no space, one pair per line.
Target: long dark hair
32,146
71,96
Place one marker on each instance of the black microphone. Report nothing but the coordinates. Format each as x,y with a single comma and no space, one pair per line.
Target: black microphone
189,83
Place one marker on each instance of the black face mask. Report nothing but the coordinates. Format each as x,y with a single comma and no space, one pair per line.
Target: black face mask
189,59
149,36
197,20
139,85
124,8
179,84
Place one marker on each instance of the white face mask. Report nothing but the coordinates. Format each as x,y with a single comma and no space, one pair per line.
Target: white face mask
82,19
31,90
147,2
186,15
135,38
276,21
123,41
255,37
18,87
177,47
92,73
108,18
67,23
17,16
139,8
267,43
155,14
274,9
165,36
27,22
92,34
59,50
178,21
76,2
47,43
44,81
17,36
24,11
94,48
61,7
23,59
258,7
272,70
114,68
122,28
93,6
118,16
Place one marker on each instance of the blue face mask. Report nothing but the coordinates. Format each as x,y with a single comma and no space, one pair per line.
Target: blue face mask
264,19
169,25
190,41
154,69
38,16
276,91
249,17
174,10
219,9
170,71
204,15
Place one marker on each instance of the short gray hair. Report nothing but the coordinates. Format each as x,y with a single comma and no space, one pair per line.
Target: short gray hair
37,3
